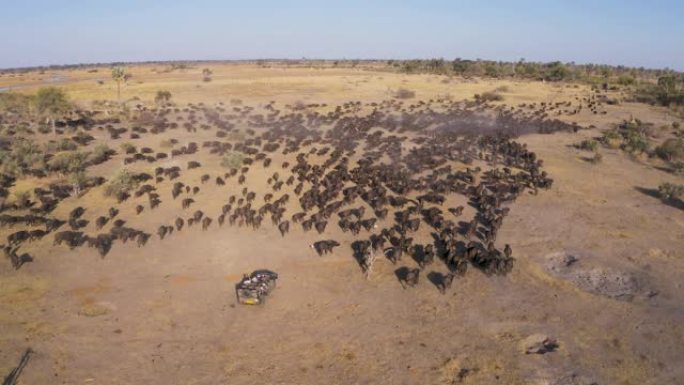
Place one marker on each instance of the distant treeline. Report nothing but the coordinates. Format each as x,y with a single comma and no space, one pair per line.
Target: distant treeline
654,86
552,71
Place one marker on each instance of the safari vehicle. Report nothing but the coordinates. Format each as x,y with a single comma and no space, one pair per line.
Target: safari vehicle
253,288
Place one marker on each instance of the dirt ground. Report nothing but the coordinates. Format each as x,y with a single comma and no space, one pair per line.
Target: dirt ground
599,267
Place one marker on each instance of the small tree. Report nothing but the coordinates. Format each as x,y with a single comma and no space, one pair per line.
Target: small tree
78,181
120,75
68,162
206,74
122,182
51,102
163,97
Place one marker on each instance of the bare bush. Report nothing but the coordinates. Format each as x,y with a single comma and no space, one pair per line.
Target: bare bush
489,96
404,93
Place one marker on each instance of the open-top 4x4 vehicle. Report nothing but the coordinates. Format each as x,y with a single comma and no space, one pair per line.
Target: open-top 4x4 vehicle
253,288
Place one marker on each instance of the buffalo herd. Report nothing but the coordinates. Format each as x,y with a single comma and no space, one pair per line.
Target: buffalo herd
399,178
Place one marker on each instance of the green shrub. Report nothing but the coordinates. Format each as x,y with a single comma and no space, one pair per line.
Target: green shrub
612,139
163,97
127,148
15,103
101,153
68,162
634,143
630,136
123,181
626,80
677,168
236,136
51,101
232,160
671,149
63,144
78,180
83,137
667,91
23,155
21,198
671,191
587,144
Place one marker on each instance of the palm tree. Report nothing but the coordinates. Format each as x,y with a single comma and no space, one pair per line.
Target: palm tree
120,75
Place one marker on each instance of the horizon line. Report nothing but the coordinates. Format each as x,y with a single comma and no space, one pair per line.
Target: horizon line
305,59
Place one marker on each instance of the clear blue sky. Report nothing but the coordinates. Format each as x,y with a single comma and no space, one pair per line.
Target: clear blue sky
647,33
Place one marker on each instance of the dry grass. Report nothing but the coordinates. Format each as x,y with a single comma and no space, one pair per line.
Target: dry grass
254,85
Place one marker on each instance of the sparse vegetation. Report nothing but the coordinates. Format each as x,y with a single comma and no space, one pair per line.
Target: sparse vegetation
162,98
587,145
101,153
22,198
597,158
671,150
166,143
206,74
127,148
631,137
63,144
677,168
78,181
51,102
232,160
22,156
667,91
403,93
14,103
68,162
671,191
489,96
123,182
120,75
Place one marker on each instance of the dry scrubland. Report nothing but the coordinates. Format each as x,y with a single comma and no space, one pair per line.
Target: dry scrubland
598,259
